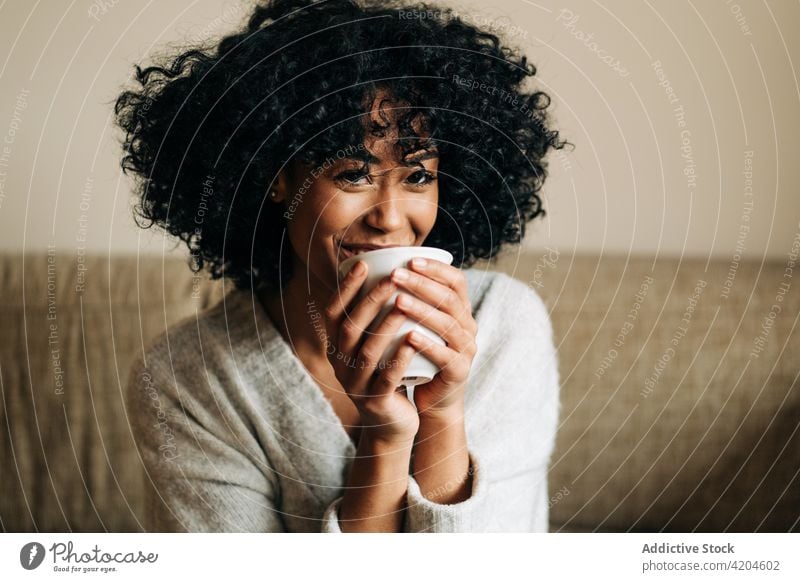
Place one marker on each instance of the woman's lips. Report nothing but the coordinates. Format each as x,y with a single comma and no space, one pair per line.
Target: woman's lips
344,254
347,252
350,251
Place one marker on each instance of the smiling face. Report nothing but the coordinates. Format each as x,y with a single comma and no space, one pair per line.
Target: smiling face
373,198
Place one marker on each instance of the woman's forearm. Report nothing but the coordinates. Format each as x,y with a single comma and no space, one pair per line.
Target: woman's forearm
441,461
374,498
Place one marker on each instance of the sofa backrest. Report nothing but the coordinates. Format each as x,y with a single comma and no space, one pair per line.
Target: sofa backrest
680,407
678,412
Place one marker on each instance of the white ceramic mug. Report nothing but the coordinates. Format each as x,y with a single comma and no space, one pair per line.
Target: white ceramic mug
380,264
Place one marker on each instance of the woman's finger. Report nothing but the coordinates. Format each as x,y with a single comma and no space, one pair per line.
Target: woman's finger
453,365
445,274
338,306
389,378
373,347
346,291
444,325
434,293
358,319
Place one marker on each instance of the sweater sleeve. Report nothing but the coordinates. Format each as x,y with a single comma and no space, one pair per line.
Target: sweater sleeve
330,519
489,508
423,515
200,475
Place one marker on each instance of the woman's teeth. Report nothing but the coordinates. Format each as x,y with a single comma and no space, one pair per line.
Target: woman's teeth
354,251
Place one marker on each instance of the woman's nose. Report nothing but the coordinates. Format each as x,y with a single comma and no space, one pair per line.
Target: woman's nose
387,212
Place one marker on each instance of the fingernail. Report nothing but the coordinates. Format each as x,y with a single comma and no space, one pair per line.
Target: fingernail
358,269
400,274
419,262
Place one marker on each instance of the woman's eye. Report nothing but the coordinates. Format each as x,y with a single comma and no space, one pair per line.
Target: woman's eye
352,177
418,179
421,178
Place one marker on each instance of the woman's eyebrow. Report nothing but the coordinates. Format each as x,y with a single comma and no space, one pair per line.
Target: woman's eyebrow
415,159
410,160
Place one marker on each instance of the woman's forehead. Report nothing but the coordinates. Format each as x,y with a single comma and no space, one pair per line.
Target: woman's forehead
389,151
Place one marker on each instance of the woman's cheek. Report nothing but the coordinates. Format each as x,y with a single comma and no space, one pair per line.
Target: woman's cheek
425,212
340,214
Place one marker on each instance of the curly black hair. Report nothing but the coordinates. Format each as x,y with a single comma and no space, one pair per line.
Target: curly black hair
207,133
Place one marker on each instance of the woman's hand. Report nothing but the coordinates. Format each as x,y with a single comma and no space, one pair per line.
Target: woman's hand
441,304
355,354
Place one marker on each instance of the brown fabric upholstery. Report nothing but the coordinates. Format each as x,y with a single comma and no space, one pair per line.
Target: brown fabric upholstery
68,460
713,445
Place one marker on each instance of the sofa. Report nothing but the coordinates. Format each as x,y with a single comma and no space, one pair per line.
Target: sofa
679,388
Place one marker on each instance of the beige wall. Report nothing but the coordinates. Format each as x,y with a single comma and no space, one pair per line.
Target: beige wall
624,189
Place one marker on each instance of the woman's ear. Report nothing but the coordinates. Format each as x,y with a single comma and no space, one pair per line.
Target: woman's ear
281,185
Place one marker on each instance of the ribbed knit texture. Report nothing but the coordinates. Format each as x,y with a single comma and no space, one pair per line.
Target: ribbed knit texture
235,435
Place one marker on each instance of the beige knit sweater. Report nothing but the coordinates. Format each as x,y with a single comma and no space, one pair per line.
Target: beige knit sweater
235,435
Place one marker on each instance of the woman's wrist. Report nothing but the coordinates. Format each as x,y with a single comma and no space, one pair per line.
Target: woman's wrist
375,439
392,435
432,409
441,459
440,418
374,498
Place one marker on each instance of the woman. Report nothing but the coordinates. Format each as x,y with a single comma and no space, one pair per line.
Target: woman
319,131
